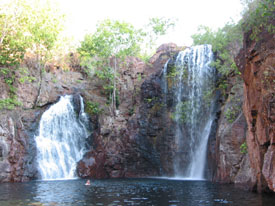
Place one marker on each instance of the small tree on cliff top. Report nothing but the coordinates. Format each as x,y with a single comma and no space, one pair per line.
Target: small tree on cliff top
112,40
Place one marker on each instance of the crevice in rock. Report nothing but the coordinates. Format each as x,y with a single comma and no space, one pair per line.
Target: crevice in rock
1,153
40,87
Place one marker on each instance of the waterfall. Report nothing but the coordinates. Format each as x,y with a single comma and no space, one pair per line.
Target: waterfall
193,109
61,139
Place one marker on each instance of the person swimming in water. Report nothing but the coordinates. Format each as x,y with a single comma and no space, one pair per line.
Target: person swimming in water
88,182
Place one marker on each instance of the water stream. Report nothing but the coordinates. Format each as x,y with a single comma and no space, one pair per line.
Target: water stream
61,139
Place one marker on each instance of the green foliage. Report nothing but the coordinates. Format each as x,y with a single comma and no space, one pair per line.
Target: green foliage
208,96
9,103
243,148
153,30
112,38
45,24
225,42
26,25
257,16
54,80
139,77
119,39
232,113
93,108
172,72
160,26
131,111
25,76
14,38
149,100
104,52
9,79
182,112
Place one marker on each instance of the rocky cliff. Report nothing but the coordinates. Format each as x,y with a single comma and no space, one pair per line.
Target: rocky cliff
129,143
256,62
139,141
19,126
228,155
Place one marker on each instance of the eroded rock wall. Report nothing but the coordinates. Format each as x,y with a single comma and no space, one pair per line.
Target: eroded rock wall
17,149
128,144
256,62
232,163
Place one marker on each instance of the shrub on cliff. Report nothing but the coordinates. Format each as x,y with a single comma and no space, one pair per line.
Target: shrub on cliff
225,43
258,15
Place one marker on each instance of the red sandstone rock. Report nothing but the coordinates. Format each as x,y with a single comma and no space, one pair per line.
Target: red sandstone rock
233,166
256,62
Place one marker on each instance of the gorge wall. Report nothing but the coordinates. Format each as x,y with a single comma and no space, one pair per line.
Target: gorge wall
256,62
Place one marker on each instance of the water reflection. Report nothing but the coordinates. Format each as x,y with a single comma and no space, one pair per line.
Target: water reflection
127,192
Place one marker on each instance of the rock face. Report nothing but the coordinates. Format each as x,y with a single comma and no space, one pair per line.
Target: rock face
128,145
231,158
17,149
19,126
256,62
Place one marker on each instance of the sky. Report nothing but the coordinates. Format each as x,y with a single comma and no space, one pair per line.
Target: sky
83,15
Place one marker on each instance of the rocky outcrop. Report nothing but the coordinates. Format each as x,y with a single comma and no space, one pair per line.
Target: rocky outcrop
256,62
17,149
19,126
129,144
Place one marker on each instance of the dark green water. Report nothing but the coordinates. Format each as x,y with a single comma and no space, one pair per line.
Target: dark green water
128,192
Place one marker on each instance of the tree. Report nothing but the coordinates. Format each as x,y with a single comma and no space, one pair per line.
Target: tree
27,25
105,50
225,42
14,36
258,15
113,40
45,24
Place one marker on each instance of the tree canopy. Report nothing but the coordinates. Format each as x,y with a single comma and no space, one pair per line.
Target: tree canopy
226,41
27,25
115,40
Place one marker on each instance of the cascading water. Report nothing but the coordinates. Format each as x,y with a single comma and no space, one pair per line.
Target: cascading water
61,139
193,110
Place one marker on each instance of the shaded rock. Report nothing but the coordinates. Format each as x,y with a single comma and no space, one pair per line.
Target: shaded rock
232,162
129,141
17,144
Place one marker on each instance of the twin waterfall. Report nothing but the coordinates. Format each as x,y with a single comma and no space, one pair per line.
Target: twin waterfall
193,108
188,86
61,139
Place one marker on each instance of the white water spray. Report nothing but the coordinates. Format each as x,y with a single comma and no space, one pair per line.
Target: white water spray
61,140
194,115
